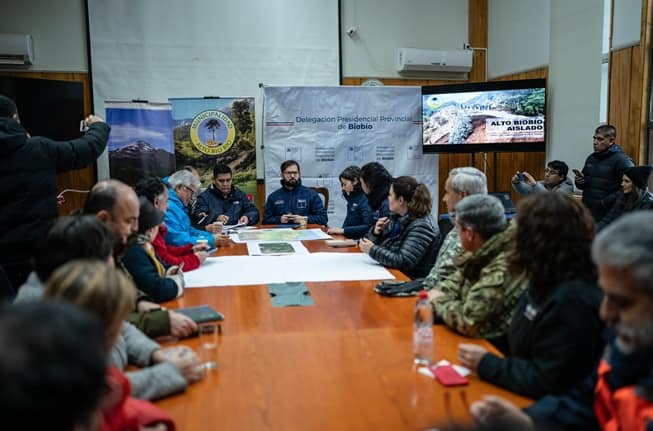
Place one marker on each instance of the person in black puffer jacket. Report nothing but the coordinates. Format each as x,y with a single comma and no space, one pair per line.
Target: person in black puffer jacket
408,240
28,183
635,195
600,180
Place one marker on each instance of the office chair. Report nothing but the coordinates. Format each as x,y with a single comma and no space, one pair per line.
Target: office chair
325,195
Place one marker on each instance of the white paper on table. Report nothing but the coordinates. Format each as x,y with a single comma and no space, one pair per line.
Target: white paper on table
244,270
254,248
281,234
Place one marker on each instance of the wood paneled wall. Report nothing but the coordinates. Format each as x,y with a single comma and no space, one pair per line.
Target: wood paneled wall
81,179
629,91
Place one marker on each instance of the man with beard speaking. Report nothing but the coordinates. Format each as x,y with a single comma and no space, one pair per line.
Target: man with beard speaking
293,201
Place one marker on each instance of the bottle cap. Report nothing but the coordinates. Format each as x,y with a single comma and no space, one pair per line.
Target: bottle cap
423,294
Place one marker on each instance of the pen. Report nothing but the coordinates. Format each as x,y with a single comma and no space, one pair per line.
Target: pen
203,218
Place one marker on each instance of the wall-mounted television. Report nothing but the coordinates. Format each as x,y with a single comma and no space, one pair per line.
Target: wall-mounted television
487,116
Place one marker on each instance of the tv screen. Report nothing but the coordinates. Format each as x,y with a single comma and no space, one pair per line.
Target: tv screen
488,116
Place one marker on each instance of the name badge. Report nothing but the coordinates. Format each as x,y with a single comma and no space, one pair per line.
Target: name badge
278,202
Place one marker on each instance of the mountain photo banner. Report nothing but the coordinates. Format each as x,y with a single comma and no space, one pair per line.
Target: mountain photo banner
140,143
208,131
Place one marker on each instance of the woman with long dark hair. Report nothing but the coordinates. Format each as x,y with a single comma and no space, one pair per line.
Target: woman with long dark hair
408,239
554,335
359,217
375,182
634,195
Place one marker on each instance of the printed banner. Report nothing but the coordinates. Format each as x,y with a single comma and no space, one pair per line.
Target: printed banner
326,129
217,130
140,143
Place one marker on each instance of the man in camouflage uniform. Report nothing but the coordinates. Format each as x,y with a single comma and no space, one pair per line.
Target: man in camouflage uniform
461,182
478,299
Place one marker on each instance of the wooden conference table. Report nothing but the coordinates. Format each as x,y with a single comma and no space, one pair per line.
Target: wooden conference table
344,363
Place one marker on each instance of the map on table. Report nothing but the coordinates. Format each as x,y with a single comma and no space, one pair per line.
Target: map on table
279,235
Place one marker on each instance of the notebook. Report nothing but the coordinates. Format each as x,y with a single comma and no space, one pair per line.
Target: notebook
201,313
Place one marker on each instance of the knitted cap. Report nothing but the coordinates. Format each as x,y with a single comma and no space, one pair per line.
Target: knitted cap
639,175
149,216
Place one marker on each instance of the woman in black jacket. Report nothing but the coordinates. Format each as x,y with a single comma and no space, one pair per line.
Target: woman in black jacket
634,195
407,240
554,336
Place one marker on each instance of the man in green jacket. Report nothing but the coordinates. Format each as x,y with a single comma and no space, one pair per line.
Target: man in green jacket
479,297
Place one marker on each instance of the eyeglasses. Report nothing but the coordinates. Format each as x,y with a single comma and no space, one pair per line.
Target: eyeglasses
551,171
192,192
291,173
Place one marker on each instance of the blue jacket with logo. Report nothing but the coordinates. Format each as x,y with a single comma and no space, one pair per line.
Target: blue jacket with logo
359,215
299,201
180,232
213,203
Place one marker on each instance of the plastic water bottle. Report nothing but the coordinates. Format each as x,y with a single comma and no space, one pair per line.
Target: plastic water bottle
423,330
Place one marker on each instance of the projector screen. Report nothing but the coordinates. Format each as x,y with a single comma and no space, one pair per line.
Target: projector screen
157,49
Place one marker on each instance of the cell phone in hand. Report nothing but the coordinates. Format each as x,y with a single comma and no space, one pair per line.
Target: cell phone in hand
521,176
448,376
577,172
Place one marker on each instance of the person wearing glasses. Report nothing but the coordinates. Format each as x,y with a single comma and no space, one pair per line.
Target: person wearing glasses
555,180
223,202
293,200
182,189
601,177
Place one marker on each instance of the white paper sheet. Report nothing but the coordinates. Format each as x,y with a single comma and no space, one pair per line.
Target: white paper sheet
279,235
243,270
274,248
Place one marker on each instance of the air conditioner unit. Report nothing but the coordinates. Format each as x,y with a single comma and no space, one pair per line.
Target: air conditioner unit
431,60
16,49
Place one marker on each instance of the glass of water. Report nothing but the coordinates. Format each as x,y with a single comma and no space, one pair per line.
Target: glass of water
208,334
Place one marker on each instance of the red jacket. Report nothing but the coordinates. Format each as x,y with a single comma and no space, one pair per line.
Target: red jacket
120,412
173,255
620,409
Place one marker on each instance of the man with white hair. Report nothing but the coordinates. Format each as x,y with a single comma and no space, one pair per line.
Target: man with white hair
183,188
619,395
465,181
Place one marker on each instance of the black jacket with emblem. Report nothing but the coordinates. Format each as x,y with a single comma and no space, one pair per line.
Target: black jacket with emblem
603,172
554,339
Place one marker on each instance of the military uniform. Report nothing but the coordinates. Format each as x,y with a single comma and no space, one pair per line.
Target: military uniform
444,264
480,296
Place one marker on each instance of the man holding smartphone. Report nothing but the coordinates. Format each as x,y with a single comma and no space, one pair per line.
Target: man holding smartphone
600,179
555,179
28,190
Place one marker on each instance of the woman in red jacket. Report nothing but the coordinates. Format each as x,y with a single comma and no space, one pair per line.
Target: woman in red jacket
191,255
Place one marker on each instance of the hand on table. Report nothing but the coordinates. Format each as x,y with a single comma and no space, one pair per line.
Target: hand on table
500,413
336,230
223,218
243,220
214,228
184,359
365,245
181,326
288,218
469,355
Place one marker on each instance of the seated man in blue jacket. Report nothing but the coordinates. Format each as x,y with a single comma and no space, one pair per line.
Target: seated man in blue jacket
293,200
223,202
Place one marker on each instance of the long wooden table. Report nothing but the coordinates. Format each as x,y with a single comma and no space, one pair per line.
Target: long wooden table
344,363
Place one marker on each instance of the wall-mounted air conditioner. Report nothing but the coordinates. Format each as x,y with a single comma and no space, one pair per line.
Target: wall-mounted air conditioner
16,49
431,60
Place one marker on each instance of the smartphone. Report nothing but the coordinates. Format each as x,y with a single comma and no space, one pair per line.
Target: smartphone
448,376
521,176
577,172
